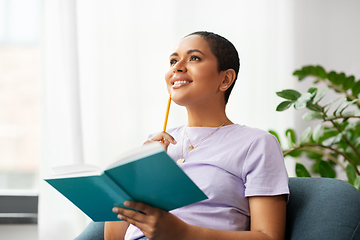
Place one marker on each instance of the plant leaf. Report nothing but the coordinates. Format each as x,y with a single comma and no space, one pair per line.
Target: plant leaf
321,72
283,106
357,142
357,183
329,141
340,79
316,133
311,70
289,94
305,135
315,167
319,96
351,126
301,171
350,113
301,75
343,106
348,83
314,155
332,76
276,135
312,115
343,102
326,170
356,88
290,134
295,153
351,173
314,107
302,100
313,91
338,138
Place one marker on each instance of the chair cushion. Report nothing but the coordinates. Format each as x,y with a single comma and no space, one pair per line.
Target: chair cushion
318,208
322,208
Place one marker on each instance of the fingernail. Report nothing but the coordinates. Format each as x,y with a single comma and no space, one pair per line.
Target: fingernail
119,216
127,204
115,209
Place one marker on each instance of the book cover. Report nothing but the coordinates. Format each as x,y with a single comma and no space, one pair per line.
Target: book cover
145,175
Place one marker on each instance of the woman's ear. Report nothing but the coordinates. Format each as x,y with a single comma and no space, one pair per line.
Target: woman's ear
228,79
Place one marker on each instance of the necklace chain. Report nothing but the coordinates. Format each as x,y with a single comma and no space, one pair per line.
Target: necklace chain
193,146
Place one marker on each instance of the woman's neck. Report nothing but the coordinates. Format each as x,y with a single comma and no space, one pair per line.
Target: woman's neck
207,117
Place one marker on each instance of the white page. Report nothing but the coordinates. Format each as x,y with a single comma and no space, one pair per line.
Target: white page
80,170
143,151
76,170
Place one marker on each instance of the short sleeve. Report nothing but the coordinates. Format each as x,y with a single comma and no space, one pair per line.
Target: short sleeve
264,171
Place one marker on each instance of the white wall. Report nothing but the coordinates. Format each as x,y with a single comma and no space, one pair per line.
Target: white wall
326,33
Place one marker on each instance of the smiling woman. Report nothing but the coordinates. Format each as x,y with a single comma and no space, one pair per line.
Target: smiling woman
194,59
246,185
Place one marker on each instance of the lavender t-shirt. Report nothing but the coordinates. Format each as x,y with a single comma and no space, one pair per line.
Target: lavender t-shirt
232,164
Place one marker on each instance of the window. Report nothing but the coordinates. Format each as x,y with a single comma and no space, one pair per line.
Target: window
20,89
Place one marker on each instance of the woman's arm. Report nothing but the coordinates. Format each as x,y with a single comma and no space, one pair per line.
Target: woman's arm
268,217
268,220
115,230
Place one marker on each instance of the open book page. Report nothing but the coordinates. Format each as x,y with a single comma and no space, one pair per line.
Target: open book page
76,170
139,153
80,170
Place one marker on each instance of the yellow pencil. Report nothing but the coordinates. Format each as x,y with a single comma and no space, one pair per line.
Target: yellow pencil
166,115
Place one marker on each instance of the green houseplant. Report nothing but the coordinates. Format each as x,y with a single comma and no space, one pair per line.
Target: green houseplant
335,140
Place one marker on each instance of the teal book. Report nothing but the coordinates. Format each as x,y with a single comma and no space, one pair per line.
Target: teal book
145,175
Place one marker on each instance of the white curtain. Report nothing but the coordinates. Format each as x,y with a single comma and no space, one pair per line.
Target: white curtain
62,135
104,89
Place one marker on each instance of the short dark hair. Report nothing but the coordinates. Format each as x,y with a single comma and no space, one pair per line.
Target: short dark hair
225,53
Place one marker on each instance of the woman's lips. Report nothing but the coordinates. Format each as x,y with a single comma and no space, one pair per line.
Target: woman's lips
177,83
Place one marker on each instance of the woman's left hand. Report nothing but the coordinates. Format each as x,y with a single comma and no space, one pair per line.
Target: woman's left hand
156,224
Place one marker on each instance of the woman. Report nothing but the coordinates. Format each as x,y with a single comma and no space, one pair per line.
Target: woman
240,169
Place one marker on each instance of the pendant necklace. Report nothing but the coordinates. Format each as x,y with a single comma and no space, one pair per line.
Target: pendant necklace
193,146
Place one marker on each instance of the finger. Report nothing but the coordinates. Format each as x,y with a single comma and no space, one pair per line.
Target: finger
142,207
148,141
164,136
132,221
126,214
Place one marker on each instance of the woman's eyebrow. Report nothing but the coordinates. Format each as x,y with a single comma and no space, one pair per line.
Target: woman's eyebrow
195,50
188,52
173,54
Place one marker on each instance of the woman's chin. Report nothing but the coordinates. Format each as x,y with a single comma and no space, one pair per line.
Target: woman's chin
179,100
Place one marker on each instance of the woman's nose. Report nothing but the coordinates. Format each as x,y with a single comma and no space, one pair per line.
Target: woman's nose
179,67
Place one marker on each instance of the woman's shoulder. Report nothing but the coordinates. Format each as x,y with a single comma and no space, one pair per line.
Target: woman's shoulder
244,131
242,135
175,129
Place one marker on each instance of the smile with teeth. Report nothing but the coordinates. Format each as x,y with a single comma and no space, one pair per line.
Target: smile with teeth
179,82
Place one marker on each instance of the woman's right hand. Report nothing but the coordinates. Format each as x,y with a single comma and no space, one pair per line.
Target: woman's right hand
164,138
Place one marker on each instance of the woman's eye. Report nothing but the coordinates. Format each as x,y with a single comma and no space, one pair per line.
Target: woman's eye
194,58
172,62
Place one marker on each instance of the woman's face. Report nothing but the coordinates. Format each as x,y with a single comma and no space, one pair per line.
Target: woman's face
193,76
